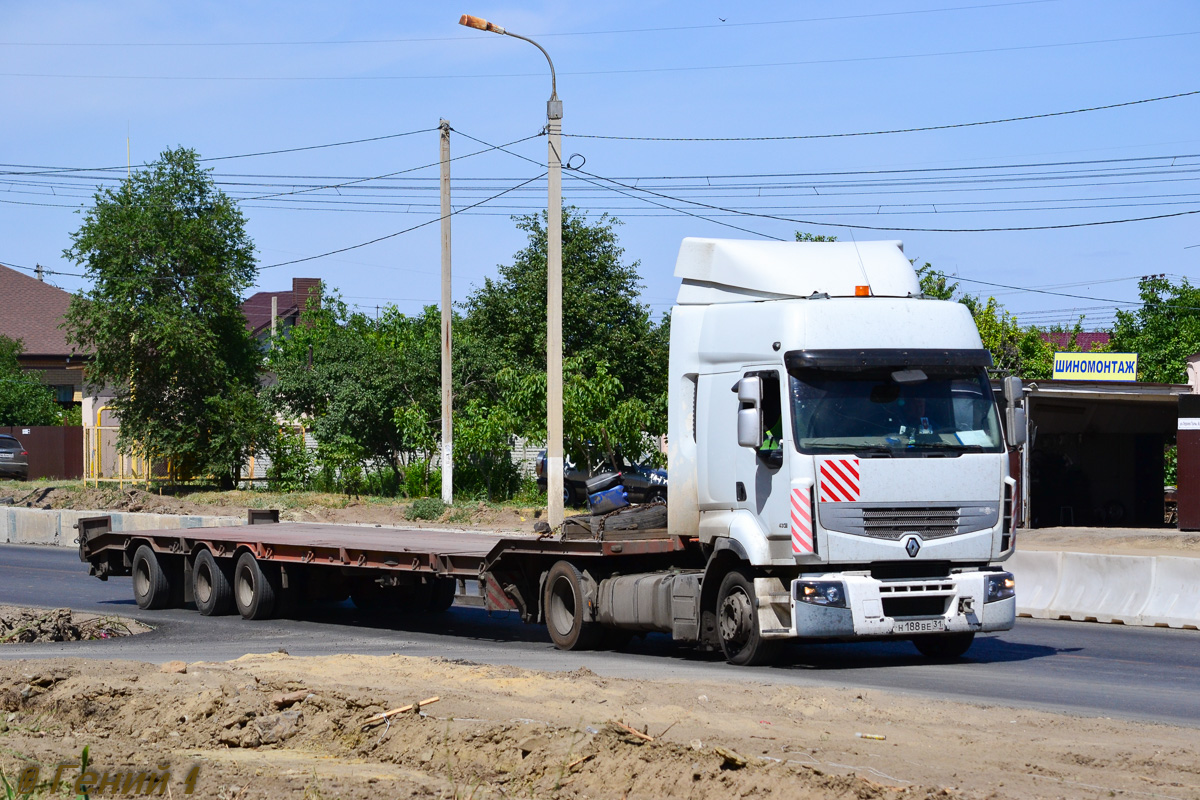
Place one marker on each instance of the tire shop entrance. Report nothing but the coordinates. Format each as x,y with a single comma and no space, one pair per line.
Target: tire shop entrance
1095,450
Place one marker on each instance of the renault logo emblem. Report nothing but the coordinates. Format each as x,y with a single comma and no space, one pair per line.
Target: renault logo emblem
912,546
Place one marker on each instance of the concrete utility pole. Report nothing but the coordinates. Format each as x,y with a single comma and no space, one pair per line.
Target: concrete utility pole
447,316
554,347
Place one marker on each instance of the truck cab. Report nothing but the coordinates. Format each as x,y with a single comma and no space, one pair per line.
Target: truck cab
835,446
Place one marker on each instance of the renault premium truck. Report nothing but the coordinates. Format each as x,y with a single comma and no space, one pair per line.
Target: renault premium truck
838,472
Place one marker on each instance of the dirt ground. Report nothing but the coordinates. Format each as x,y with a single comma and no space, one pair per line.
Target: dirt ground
277,726
25,625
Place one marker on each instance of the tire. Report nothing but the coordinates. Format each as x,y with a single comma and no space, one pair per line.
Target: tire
564,608
367,595
568,497
152,586
253,589
944,647
737,623
212,587
655,496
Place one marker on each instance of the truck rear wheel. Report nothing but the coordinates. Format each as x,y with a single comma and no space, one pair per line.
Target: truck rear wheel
944,647
737,622
253,590
565,609
211,585
152,587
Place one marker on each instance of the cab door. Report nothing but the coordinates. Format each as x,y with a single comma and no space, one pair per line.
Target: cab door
763,480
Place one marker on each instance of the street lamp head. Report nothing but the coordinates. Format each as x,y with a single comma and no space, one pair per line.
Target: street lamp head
479,24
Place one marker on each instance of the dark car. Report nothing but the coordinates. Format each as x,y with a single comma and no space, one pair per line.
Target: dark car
643,484
14,458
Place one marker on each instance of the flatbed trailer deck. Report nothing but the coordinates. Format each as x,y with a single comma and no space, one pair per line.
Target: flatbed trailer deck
267,567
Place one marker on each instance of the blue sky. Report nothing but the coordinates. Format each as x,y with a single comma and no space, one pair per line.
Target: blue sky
80,79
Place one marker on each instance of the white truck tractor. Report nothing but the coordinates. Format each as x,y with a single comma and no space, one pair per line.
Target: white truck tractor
835,448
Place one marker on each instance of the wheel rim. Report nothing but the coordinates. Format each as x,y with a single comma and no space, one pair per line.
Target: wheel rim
204,583
141,578
736,621
245,587
561,614
566,495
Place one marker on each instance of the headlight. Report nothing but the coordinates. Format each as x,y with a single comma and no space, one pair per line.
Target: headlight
1000,586
822,593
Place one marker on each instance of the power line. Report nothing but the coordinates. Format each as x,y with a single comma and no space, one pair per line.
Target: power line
883,132
794,221
58,170
398,233
729,25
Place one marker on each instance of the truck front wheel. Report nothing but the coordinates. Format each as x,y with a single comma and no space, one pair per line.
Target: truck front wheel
737,622
565,609
946,647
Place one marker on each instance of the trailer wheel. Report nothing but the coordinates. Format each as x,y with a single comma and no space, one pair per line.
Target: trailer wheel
737,622
253,590
566,609
944,647
211,585
151,584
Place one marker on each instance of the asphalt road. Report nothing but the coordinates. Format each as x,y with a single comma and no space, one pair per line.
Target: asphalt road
1147,674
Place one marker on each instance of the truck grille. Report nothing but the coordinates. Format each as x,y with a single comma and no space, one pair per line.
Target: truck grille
893,522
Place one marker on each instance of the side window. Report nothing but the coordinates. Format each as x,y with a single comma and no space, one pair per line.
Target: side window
772,416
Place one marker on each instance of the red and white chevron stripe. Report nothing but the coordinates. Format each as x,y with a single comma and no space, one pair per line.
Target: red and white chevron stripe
802,527
839,480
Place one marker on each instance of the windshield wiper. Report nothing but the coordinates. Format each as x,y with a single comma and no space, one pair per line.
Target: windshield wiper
957,448
856,448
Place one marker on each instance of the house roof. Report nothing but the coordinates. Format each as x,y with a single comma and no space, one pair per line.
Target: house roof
257,307
31,310
1085,340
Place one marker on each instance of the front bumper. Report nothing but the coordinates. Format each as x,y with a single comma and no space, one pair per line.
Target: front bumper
898,608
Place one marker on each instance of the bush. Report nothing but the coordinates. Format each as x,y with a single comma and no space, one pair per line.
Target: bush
292,464
420,480
426,508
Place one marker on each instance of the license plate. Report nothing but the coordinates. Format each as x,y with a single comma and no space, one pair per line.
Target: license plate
919,626
6,455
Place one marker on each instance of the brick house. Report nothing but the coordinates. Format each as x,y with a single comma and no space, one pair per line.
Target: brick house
286,307
32,310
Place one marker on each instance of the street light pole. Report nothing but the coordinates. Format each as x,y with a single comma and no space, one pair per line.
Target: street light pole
554,347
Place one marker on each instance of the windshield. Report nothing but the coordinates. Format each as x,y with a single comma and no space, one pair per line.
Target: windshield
905,411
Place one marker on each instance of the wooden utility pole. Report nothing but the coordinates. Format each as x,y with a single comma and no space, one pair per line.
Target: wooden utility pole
447,315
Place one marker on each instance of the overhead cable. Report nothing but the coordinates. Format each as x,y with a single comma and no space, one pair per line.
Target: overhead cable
884,132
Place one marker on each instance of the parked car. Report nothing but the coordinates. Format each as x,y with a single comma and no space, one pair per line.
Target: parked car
14,458
643,483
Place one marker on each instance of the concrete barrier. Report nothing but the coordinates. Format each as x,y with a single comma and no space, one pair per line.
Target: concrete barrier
1037,573
1103,588
56,527
1175,601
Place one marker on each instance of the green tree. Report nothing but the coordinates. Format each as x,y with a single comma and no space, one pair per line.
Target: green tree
169,259
935,284
805,236
603,317
1164,331
24,400
598,422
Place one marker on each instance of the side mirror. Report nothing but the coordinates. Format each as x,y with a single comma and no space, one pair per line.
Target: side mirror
750,390
1014,425
1013,390
749,426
